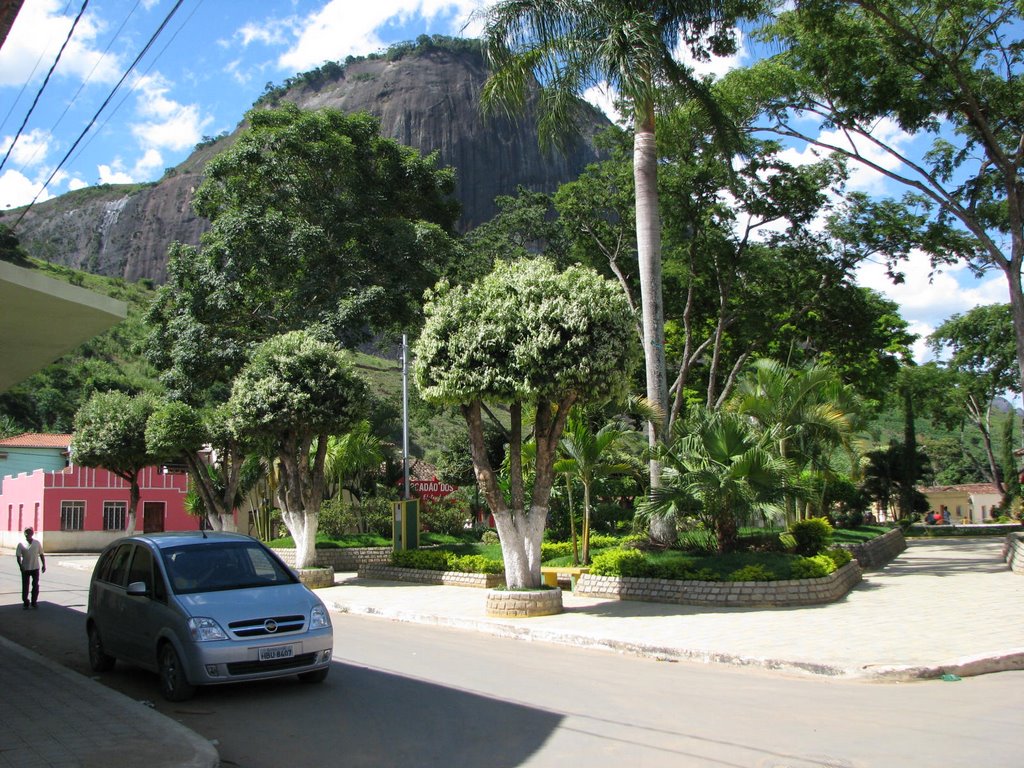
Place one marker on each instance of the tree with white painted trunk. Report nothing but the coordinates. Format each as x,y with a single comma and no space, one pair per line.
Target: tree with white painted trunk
294,393
537,341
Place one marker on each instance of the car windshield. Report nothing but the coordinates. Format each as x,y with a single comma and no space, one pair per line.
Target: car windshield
214,566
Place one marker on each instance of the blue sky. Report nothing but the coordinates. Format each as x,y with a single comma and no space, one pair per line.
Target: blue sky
212,62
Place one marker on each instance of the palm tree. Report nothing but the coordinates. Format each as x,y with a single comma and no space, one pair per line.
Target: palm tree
568,46
587,456
809,410
351,459
721,462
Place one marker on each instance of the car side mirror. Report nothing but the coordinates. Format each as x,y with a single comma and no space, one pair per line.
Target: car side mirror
138,589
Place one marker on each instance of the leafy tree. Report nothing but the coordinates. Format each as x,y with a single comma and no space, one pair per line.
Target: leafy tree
720,460
290,397
807,410
571,45
353,459
982,359
945,72
316,220
540,341
110,432
213,452
885,478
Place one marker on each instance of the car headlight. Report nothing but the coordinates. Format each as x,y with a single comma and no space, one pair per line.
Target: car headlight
204,629
319,618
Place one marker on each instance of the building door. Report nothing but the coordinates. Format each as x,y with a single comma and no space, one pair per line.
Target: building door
153,517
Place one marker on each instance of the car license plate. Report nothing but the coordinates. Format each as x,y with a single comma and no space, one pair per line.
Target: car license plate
275,652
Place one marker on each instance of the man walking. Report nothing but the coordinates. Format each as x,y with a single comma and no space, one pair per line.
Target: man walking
30,559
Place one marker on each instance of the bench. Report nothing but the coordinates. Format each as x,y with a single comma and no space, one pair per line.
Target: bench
550,574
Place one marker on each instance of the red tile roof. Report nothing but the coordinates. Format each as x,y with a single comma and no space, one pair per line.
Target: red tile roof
966,488
36,440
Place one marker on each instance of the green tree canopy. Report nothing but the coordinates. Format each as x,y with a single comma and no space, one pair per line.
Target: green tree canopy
110,432
531,337
290,397
316,220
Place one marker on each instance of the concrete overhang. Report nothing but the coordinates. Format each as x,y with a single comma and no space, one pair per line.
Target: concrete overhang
42,319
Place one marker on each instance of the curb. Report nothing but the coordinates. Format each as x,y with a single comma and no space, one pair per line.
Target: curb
968,666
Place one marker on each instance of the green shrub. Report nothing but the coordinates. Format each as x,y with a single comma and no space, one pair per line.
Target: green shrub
424,560
448,516
788,542
752,573
621,562
489,537
553,549
838,555
811,535
812,567
603,541
634,541
475,564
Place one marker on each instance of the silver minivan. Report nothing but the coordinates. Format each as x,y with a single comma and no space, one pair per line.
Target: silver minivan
204,608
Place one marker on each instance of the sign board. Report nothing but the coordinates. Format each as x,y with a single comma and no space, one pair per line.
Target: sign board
431,489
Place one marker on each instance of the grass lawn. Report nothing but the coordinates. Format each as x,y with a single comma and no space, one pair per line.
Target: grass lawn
859,535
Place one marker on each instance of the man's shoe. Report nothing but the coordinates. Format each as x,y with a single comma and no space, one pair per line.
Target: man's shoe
25,607
34,606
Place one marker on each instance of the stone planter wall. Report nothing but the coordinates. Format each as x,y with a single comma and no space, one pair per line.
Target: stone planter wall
317,578
729,594
522,605
1013,552
342,560
447,578
880,551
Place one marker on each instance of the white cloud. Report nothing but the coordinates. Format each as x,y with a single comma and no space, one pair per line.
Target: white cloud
717,66
603,97
114,174
928,298
342,28
35,38
16,189
77,183
31,149
167,124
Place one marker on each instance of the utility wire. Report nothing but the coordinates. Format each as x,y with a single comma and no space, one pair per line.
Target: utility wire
42,87
28,80
106,101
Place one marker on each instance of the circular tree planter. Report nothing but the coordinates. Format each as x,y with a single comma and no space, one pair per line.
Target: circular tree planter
317,578
513,604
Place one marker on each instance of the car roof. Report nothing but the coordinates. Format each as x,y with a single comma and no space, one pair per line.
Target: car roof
186,538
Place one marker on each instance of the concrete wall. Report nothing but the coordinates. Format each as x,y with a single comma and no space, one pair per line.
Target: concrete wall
729,594
447,578
1013,552
880,551
345,559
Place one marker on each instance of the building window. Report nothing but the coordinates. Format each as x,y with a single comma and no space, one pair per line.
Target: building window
114,513
72,515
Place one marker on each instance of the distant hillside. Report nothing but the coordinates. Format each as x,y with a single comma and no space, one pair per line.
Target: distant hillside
426,95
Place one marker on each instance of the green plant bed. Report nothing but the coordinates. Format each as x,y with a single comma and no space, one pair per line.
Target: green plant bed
325,542
859,535
739,566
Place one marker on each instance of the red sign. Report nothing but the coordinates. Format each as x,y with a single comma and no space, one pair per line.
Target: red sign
431,489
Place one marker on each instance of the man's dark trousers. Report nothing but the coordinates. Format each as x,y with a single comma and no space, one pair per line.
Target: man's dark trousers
32,575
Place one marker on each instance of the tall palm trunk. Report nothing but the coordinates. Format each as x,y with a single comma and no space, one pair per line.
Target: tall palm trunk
648,244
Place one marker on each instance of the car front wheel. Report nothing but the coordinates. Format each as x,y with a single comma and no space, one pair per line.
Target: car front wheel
173,684
99,659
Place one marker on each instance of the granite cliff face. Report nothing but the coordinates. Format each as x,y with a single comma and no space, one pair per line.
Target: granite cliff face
428,100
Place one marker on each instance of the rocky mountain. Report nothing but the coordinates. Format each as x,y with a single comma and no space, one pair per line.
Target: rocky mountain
426,95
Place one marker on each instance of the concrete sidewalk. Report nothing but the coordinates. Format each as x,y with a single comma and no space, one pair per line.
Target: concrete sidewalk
55,718
943,606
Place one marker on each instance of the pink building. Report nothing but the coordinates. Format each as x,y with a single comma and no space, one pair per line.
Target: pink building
78,509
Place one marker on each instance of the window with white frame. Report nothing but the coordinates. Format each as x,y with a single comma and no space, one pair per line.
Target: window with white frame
72,515
114,513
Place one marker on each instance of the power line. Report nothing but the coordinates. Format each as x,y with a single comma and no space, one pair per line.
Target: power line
46,80
103,106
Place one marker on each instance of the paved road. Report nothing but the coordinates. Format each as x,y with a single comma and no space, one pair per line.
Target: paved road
403,694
